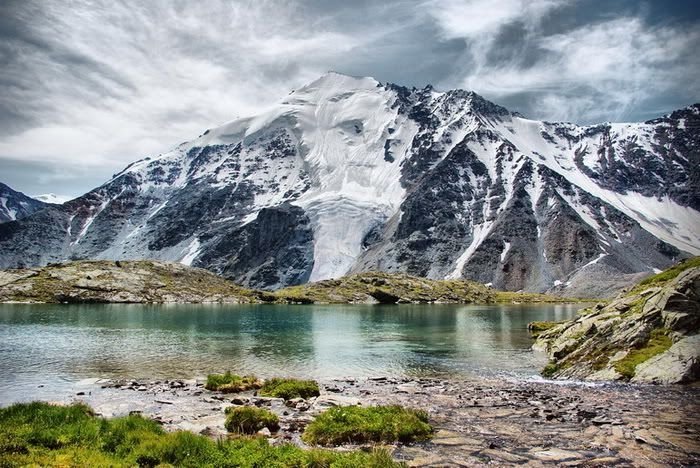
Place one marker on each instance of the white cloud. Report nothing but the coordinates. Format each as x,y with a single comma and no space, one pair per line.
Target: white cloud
592,72
119,81
481,20
91,85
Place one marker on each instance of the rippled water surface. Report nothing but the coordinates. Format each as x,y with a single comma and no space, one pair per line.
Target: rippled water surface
45,347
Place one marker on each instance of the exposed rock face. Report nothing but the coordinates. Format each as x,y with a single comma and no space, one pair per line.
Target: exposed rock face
121,281
651,334
16,205
349,175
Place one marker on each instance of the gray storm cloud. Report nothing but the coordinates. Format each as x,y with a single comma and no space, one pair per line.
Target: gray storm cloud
88,87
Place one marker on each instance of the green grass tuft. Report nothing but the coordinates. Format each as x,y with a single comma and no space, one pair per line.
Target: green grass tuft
39,434
354,424
659,341
289,388
250,419
231,383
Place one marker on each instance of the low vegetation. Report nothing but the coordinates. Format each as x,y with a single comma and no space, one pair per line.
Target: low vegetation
355,424
39,434
250,419
231,383
289,388
659,341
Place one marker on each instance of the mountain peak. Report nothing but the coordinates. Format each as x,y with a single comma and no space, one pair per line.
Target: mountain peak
349,175
338,81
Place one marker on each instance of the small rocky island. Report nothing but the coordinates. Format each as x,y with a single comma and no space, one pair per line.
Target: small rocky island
147,281
650,334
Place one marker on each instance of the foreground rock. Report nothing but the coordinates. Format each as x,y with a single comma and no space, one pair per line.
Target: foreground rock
650,334
477,421
120,282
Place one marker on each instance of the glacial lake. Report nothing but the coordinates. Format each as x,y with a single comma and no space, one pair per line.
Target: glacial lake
46,349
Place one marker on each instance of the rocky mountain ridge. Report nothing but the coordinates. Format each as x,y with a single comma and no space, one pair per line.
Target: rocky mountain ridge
348,175
16,205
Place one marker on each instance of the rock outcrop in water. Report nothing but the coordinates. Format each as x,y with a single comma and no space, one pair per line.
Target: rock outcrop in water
148,281
651,334
120,282
384,288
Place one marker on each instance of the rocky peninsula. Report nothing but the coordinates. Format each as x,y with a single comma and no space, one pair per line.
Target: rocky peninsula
650,334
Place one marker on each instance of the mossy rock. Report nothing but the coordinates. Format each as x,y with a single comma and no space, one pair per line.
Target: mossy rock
355,424
232,383
659,342
250,419
289,388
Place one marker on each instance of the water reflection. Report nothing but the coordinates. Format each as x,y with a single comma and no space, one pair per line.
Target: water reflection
73,342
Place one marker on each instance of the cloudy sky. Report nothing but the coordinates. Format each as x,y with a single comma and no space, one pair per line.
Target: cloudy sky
88,86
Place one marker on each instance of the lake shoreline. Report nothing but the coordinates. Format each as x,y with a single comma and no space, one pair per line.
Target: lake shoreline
478,420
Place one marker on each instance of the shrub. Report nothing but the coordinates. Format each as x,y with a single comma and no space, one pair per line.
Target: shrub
249,420
290,388
231,383
371,424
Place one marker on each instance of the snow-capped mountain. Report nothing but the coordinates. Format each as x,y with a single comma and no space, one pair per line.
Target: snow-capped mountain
52,198
347,174
16,205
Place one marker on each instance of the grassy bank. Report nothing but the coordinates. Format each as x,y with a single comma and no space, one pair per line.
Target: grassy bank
39,434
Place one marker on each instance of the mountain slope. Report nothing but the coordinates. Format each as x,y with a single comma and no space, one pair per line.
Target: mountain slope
16,205
348,175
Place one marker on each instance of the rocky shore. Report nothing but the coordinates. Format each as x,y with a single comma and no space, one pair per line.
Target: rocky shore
477,422
650,334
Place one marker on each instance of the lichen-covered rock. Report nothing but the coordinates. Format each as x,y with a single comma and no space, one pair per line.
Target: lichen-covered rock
680,364
651,334
385,288
120,282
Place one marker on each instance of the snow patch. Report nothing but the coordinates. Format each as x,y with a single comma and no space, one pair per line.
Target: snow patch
506,248
192,252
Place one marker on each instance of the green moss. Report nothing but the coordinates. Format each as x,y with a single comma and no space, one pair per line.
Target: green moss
231,383
659,341
666,276
385,286
250,419
354,424
289,388
550,369
39,434
535,328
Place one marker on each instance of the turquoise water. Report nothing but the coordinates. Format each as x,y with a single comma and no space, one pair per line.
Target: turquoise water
50,344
